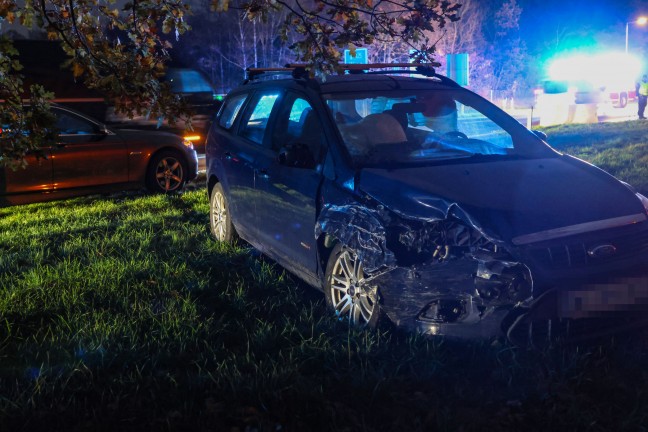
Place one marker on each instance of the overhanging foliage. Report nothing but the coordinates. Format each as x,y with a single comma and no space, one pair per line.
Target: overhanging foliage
122,51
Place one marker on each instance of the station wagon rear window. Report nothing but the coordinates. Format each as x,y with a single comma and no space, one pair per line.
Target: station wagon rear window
230,110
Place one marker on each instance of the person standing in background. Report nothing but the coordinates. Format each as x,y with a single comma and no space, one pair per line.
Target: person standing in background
642,95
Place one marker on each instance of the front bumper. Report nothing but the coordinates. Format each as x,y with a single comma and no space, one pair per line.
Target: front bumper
441,299
614,304
192,165
453,299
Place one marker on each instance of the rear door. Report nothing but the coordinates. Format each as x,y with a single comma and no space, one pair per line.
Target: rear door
238,158
86,155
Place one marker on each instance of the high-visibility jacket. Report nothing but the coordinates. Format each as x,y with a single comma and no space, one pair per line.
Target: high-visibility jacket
643,88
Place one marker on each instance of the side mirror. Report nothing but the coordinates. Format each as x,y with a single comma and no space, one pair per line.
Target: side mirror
100,133
540,134
297,156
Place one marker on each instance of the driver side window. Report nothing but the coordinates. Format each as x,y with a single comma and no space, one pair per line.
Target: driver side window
299,126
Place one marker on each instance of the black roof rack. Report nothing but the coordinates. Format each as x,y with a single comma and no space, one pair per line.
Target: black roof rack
274,73
423,68
299,71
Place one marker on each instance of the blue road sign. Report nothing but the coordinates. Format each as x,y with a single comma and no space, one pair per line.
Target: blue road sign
360,56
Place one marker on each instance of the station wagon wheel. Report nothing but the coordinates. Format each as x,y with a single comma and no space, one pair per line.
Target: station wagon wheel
348,292
220,221
167,172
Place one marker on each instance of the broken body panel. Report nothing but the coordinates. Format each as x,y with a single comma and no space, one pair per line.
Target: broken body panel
441,272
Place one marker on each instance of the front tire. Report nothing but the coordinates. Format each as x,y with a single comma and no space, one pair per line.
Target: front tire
220,221
348,292
167,172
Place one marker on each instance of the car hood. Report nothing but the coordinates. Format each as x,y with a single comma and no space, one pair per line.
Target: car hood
505,199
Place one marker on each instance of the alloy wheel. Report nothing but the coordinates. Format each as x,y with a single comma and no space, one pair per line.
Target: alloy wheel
219,216
169,174
352,296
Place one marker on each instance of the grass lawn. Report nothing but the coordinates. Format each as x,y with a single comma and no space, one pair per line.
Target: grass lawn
121,313
619,148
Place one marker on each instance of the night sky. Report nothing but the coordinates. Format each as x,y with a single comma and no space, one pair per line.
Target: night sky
582,22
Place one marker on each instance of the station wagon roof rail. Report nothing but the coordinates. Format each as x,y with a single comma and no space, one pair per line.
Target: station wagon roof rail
299,71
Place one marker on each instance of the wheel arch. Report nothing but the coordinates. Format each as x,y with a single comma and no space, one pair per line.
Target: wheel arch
211,182
160,150
325,245
358,228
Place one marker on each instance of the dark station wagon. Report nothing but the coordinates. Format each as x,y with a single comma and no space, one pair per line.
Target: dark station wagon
406,197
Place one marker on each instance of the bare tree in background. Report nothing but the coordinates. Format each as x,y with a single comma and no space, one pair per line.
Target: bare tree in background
508,53
223,45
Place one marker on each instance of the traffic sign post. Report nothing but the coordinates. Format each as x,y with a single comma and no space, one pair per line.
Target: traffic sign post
457,68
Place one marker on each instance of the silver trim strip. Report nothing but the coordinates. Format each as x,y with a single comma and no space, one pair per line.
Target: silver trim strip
578,229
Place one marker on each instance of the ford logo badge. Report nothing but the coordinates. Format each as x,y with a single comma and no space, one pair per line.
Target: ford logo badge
602,251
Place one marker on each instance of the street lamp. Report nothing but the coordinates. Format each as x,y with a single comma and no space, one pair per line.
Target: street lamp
640,21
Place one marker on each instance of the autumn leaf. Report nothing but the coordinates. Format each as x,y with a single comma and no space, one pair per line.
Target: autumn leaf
77,70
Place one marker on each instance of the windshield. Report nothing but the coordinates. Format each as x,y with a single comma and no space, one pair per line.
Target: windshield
427,125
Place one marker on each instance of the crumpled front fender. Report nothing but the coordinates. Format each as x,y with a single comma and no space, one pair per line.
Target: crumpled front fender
360,229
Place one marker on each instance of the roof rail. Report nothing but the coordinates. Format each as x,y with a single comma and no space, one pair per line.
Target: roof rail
274,73
425,69
366,67
299,70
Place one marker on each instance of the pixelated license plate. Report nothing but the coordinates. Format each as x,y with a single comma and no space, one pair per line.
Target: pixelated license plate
604,300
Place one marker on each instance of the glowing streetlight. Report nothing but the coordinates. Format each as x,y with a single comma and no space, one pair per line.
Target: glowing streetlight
639,21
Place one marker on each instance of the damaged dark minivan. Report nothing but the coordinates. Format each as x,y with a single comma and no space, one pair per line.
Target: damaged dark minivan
406,197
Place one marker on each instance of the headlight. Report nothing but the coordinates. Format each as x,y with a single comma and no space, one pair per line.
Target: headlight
643,200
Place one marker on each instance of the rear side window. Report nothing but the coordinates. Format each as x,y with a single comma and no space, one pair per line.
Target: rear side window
68,124
230,110
256,124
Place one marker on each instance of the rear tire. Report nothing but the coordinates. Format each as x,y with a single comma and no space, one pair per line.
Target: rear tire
348,293
220,221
